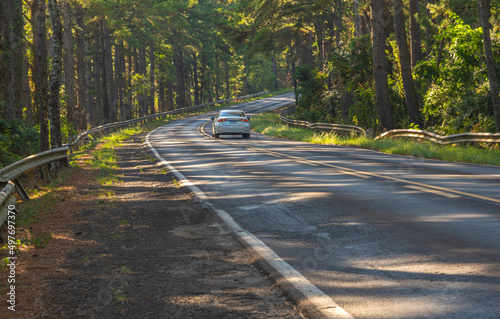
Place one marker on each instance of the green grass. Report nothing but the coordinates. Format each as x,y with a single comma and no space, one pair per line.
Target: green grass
270,124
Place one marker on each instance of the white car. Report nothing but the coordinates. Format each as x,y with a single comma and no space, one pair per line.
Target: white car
231,122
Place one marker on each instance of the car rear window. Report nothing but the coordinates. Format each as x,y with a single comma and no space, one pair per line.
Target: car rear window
232,113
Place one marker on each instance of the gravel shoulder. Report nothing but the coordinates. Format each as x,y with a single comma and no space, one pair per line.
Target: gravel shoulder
140,248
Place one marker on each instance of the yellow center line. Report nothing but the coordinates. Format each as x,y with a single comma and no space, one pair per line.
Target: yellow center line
350,171
433,191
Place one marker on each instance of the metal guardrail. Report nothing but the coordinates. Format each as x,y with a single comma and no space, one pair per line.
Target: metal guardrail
419,134
6,200
443,140
321,126
9,175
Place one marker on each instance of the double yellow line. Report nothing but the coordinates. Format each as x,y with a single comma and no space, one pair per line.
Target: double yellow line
442,191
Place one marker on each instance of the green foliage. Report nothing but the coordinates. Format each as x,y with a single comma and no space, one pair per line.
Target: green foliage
17,140
36,241
312,86
362,113
458,99
260,74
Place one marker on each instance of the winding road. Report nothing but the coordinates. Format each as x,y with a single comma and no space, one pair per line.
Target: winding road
384,236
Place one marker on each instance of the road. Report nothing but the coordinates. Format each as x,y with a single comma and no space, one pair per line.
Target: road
384,236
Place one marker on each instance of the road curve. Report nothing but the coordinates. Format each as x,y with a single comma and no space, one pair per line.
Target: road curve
384,236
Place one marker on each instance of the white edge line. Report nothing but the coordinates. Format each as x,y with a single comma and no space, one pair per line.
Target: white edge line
326,305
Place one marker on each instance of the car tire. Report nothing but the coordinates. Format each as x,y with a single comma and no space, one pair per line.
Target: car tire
247,135
216,135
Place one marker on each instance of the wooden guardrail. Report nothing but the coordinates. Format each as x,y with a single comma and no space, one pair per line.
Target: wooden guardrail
9,175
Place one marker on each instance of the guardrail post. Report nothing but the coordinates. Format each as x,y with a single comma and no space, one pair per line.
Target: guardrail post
4,211
32,179
20,190
46,173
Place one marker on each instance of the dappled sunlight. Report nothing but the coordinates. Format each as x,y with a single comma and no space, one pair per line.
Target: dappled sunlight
453,218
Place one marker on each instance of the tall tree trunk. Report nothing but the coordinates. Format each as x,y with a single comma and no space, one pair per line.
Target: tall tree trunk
109,74
484,18
26,100
19,55
55,78
217,75
275,72
195,78
411,95
378,36
181,77
85,112
319,26
152,63
228,95
415,32
119,78
69,65
143,98
7,79
356,18
170,96
41,71
338,21
294,80
128,90
161,95
245,78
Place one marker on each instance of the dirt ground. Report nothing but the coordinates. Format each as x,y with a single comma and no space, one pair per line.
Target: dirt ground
141,248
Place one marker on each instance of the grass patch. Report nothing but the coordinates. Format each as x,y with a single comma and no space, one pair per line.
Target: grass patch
270,124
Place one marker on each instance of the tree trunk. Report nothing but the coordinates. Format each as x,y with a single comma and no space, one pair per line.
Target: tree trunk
120,79
143,98
128,90
7,81
416,37
55,78
484,19
338,21
378,36
195,78
108,75
13,62
40,71
26,102
245,79
161,95
69,66
228,95
85,111
152,63
411,95
319,26
181,77
275,72
217,75
170,96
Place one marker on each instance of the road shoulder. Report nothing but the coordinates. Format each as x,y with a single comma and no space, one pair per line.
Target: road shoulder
143,248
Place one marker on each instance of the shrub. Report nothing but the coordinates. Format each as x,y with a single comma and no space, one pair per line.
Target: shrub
17,140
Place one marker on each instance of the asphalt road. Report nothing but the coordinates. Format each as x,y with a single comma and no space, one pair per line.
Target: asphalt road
384,236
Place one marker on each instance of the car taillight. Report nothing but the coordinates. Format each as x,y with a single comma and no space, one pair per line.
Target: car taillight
221,120
244,120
